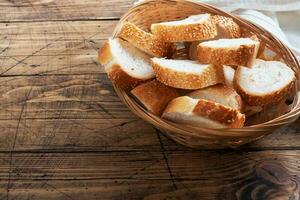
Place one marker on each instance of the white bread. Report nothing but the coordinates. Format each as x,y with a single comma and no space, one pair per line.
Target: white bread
186,74
229,75
146,42
196,27
154,95
125,65
241,51
226,27
203,113
265,82
221,94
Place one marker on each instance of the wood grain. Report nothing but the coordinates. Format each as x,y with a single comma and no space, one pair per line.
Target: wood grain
123,175
52,47
45,10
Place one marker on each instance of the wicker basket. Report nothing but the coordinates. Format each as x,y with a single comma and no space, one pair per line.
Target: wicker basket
152,11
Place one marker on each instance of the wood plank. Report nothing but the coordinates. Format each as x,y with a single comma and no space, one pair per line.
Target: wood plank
78,112
77,135
229,175
87,189
76,96
191,175
45,10
52,47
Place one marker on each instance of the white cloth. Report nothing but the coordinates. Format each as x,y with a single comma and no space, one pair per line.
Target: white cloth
280,17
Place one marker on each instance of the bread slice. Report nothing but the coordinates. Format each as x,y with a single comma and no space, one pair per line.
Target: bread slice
226,27
241,51
154,96
196,27
146,42
203,113
265,82
221,94
125,65
229,75
186,74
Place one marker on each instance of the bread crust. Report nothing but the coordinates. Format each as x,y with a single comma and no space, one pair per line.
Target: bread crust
183,80
226,27
221,114
121,79
115,72
244,55
222,92
146,42
183,33
261,100
104,54
154,95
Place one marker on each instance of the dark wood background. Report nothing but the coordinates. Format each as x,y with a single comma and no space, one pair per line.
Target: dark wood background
66,135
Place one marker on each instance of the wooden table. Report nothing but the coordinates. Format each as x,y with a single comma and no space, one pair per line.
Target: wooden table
66,135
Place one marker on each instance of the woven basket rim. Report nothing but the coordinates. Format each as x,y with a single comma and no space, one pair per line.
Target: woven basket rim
236,133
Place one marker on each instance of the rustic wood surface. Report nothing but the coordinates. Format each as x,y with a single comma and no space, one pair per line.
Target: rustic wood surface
66,135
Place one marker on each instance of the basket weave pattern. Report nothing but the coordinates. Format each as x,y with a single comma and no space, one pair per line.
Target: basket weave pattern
153,11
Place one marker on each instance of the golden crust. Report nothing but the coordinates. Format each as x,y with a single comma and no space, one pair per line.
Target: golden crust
190,32
244,55
222,92
183,80
226,27
220,113
210,110
154,96
121,79
258,100
146,42
104,54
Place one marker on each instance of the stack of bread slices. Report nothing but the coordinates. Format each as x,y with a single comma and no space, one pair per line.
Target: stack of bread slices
219,84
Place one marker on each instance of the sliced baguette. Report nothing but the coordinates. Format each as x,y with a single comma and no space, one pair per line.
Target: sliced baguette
154,95
203,113
196,27
221,94
146,42
265,82
125,65
241,51
186,74
226,27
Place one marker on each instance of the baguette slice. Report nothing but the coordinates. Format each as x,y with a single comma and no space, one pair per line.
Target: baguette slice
241,51
154,95
226,27
265,82
186,74
146,42
203,113
196,27
125,65
221,94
